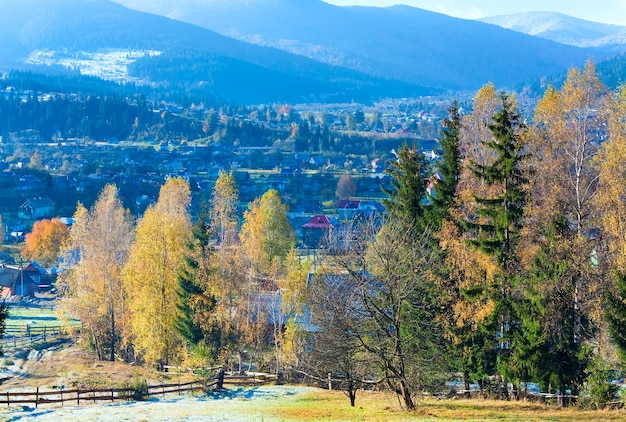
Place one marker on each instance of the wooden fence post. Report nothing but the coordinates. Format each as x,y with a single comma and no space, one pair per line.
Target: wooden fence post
8,399
78,395
330,382
37,398
112,395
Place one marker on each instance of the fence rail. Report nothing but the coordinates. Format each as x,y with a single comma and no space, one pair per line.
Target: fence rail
128,393
18,342
17,330
94,395
17,335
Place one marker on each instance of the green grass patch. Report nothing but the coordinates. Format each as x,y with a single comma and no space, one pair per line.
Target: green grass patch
22,316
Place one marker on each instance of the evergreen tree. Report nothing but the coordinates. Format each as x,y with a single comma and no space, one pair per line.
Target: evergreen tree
498,223
408,185
548,347
187,291
4,314
615,313
500,215
448,168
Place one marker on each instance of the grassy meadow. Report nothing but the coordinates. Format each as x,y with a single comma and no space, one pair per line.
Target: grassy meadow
321,405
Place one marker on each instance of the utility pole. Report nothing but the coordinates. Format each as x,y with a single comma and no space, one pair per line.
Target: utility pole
21,278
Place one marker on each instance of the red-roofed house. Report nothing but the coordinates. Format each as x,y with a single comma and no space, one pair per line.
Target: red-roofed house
347,209
315,231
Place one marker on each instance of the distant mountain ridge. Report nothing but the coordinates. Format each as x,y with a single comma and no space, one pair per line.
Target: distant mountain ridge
232,70
564,29
343,53
400,42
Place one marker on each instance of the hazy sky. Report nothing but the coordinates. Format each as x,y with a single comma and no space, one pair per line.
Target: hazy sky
608,11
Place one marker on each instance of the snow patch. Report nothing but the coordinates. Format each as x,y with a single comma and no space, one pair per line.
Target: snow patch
110,64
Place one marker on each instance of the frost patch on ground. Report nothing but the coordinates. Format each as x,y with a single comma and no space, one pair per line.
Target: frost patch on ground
108,64
233,404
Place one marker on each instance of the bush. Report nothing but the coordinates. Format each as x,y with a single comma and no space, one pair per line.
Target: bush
139,389
599,389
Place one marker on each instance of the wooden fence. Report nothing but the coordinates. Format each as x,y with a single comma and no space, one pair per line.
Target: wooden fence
17,336
21,330
80,396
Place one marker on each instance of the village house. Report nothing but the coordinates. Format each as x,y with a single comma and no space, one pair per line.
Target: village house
14,281
316,231
36,208
347,208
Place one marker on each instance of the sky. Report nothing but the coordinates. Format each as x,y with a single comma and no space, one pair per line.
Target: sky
606,11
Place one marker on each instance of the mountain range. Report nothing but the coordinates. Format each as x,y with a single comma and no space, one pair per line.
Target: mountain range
284,50
564,29
400,42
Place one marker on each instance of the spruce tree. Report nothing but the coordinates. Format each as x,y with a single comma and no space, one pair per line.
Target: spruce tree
4,314
498,222
448,170
408,185
615,313
548,346
185,325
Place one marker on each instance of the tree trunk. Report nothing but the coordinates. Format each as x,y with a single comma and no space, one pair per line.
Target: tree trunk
562,400
112,336
406,396
351,392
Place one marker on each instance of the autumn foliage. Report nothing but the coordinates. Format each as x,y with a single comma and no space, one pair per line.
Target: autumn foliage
511,270
45,241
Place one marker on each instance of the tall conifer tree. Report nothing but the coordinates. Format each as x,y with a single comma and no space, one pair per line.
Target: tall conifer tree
498,222
448,169
408,185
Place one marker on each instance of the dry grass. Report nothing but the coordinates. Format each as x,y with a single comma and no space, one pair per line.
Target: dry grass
73,366
334,406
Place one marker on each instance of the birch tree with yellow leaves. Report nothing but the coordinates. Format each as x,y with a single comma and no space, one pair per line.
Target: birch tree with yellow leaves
101,239
157,256
560,303
610,203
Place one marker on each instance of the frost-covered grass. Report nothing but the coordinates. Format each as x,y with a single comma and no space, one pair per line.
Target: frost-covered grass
235,404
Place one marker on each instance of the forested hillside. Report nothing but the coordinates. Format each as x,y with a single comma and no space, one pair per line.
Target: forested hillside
404,43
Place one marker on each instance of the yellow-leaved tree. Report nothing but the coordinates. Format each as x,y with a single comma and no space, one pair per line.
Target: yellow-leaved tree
562,144
611,216
99,240
611,165
266,234
156,259
568,127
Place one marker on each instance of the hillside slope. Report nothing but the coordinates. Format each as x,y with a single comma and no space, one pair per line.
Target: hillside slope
192,56
400,42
